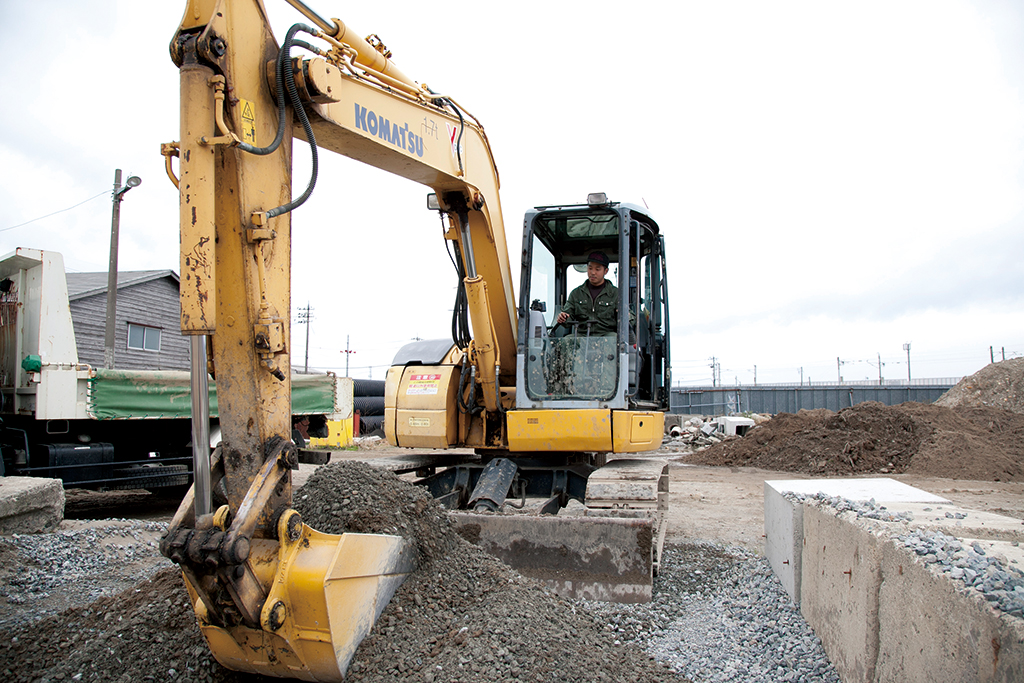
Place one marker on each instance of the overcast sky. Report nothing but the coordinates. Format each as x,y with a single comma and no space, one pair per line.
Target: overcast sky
834,179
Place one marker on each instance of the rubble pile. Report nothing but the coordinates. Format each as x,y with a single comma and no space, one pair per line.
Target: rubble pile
696,434
997,385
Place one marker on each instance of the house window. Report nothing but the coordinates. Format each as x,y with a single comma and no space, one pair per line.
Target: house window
143,337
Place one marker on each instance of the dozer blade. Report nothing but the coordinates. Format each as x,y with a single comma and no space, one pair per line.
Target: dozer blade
608,550
325,594
608,559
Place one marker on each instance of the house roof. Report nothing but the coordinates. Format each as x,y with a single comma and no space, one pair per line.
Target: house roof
81,285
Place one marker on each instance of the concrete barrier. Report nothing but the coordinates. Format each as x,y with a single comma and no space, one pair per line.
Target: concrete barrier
784,518
882,612
30,505
933,631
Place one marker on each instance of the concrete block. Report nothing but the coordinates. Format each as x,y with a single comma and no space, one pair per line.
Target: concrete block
734,426
30,505
783,518
883,614
840,581
934,631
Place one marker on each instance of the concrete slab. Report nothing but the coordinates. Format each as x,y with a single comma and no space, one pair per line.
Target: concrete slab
30,505
783,518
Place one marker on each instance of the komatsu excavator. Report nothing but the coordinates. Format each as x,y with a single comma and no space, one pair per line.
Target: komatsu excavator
541,404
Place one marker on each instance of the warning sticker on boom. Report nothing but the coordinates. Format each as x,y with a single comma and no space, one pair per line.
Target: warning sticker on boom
248,121
423,384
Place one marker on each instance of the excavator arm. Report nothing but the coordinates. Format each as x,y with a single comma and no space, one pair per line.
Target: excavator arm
272,595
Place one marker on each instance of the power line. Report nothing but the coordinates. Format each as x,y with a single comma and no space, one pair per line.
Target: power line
55,212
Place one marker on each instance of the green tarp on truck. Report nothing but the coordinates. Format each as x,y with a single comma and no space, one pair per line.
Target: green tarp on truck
138,394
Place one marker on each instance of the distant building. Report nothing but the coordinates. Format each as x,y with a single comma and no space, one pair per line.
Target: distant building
147,333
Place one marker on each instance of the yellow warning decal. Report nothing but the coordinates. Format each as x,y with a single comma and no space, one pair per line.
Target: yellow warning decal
248,122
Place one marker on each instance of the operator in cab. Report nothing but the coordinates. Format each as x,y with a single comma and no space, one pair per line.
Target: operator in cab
596,299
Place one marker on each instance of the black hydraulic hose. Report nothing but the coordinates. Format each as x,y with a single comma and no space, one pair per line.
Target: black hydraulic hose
462,128
460,312
444,102
293,97
282,112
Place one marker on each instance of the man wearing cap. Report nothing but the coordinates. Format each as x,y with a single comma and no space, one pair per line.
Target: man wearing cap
596,299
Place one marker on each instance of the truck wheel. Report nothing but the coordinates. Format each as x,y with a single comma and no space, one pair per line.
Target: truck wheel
150,477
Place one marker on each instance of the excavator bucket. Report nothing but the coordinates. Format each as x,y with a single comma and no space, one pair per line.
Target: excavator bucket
326,592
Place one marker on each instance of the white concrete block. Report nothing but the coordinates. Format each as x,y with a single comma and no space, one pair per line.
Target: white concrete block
731,426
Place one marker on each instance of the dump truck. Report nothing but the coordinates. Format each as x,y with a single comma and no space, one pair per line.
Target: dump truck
99,428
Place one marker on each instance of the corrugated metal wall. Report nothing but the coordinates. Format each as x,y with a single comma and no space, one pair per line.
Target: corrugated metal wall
726,400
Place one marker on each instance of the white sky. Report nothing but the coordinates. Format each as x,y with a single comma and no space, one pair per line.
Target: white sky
834,179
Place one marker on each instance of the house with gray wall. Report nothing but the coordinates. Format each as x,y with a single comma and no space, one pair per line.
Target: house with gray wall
147,332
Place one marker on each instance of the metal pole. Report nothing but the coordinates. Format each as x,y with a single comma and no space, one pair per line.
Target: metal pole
108,341
306,370
906,347
200,388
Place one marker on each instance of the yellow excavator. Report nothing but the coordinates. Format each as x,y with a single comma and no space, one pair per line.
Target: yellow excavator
541,403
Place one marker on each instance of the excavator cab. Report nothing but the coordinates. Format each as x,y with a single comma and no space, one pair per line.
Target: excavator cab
579,363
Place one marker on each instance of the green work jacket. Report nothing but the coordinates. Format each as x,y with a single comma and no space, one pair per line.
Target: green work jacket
604,309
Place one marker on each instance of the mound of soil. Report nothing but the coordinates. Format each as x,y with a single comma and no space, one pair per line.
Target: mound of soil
979,443
997,385
462,616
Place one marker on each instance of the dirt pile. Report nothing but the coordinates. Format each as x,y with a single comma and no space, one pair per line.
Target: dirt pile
462,616
997,385
979,443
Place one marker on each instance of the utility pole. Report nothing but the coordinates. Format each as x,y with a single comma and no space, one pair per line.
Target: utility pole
801,376
879,368
348,352
839,370
755,375
991,355
906,347
305,315
714,372
115,226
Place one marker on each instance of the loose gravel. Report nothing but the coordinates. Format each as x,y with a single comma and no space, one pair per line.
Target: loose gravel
1001,584
718,613
44,574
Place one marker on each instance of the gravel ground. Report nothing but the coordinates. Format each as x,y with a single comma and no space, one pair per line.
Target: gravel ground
718,612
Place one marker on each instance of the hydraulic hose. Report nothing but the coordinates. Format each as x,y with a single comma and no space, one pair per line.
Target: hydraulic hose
460,312
293,96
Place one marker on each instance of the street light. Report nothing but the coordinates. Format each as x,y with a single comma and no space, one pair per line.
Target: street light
119,192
